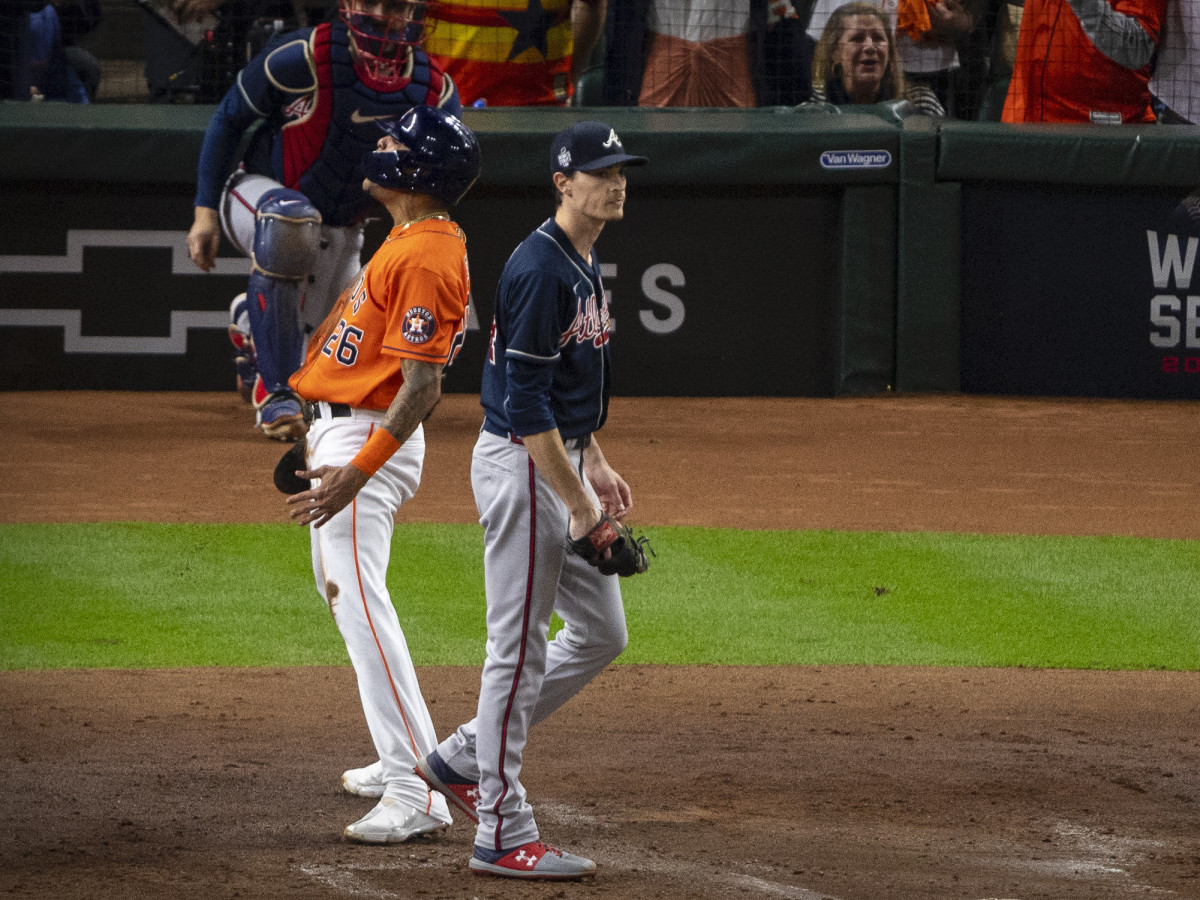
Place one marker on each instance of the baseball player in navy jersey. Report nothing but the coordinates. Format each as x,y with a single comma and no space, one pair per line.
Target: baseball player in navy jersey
296,205
539,475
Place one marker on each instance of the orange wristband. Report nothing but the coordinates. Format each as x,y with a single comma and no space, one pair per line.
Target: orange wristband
375,452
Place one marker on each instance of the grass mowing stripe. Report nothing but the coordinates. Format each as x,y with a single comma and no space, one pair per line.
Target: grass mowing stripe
936,599
153,595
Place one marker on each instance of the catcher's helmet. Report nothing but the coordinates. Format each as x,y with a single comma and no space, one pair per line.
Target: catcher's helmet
381,39
439,155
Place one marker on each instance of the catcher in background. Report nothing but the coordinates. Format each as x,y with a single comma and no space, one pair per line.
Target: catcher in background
295,205
373,373
541,482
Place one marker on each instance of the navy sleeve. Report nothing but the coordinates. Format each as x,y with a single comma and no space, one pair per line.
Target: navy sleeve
225,129
254,96
531,307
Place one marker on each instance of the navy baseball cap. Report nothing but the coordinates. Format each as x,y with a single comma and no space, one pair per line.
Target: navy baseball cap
588,146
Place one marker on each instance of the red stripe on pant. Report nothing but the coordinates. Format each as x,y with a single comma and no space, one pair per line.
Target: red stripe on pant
524,643
242,200
367,612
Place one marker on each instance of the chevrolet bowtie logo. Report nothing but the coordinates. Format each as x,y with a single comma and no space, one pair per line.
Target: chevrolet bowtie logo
359,119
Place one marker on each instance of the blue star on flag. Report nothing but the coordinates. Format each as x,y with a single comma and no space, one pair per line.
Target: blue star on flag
532,26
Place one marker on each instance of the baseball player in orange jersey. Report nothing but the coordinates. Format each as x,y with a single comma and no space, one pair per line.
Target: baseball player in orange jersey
373,374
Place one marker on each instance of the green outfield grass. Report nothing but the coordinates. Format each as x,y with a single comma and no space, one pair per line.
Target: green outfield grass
150,595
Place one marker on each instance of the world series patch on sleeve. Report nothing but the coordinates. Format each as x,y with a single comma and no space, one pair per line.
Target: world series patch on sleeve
613,549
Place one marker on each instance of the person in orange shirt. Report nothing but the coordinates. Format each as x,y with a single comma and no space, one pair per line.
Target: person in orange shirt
1085,61
373,373
515,52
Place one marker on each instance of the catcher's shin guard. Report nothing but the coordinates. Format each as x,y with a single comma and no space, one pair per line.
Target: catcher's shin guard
286,243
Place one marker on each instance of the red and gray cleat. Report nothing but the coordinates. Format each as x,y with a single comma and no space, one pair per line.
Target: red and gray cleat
280,415
536,861
460,791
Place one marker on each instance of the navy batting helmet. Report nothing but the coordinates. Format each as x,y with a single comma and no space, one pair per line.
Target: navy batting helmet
439,155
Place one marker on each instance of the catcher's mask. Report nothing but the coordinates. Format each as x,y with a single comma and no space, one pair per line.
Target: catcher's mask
440,155
381,33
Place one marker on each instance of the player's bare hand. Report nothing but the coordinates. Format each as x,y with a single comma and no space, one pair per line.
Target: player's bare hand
615,497
949,17
338,487
618,501
204,238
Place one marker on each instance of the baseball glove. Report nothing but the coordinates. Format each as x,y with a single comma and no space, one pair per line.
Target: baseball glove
285,476
626,556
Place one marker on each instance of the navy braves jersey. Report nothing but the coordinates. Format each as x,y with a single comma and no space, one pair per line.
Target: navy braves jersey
318,119
548,357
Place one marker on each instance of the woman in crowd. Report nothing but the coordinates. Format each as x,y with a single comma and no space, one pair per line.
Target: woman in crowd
854,63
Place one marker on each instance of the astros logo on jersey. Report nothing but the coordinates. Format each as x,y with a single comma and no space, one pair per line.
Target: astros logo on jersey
419,325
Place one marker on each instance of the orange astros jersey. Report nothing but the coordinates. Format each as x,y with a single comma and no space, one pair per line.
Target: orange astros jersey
409,302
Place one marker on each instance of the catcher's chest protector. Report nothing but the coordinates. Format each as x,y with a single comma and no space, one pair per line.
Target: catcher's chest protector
322,150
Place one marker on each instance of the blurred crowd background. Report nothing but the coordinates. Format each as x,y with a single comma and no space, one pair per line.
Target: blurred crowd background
954,57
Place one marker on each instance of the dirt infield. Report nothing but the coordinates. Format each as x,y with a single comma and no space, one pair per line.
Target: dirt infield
798,783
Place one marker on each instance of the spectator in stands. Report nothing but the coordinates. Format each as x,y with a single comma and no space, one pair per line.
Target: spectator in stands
1176,81
697,53
59,70
199,46
926,38
975,49
1002,24
77,18
531,54
855,63
237,30
1083,61
15,40
246,12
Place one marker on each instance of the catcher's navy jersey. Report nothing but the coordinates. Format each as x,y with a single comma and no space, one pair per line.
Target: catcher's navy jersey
548,357
321,117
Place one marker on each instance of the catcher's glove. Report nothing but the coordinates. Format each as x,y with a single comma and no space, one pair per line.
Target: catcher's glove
285,475
626,556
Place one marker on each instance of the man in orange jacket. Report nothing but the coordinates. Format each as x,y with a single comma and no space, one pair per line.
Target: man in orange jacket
1085,61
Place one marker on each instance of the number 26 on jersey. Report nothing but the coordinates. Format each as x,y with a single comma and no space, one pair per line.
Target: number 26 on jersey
343,343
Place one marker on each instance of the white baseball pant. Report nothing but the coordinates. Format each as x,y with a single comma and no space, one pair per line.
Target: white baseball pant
350,556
